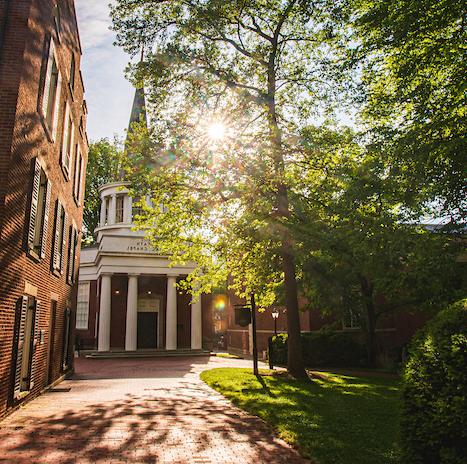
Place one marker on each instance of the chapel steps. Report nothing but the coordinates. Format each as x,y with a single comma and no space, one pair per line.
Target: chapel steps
143,353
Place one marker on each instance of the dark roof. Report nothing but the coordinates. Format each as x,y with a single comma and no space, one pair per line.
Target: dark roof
138,111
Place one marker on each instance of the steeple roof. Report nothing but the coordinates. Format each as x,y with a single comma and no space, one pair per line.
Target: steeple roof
138,111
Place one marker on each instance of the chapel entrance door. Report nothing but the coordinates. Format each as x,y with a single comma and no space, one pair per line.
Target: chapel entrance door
147,330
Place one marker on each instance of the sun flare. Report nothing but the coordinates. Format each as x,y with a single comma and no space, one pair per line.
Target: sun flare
216,131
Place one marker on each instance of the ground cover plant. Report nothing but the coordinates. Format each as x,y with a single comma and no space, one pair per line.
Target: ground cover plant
333,419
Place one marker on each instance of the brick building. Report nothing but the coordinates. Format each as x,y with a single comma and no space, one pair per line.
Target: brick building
43,154
393,332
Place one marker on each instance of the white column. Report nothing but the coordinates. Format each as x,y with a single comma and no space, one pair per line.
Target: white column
196,325
102,220
112,209
171,316
103,343
132,314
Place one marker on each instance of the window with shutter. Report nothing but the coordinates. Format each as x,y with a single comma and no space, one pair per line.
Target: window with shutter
59,238
34,361
82,308
72,246
72,73
66,340
51,92
25,340
63,249
56,108
39,212
45,219
67,142
78,175
18,344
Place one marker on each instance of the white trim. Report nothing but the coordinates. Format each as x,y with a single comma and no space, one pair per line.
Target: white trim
82,306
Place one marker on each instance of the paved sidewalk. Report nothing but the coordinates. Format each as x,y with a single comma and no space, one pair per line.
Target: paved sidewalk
139,411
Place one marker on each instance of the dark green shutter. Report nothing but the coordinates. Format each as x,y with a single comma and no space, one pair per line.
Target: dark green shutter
20,323
34,202
45,222
34,345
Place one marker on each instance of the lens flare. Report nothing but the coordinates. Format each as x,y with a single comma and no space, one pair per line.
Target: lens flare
216,131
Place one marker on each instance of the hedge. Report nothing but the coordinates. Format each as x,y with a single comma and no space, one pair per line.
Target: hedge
324,349
434,420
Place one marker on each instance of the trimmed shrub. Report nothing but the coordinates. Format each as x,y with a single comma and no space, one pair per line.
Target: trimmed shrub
324,349
434,421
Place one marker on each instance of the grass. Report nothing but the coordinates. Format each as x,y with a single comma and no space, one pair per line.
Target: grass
334,419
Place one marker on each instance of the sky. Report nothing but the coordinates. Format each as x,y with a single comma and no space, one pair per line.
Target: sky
108,94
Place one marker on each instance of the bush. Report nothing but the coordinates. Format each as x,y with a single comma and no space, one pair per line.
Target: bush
434,425
324,349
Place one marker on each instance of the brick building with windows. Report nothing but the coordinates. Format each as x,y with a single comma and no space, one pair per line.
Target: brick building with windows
43,148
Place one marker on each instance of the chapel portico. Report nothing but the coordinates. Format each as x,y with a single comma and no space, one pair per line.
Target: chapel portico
134,287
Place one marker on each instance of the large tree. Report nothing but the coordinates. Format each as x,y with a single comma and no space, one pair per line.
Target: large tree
412,59
253,70
104,165
360,251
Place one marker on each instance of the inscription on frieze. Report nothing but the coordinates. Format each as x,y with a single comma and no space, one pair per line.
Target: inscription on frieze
140,245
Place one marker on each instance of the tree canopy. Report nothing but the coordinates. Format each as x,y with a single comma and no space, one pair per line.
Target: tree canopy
243,185
104,164
412,57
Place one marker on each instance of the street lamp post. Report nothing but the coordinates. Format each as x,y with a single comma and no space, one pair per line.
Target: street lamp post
246,314
275,315
255,343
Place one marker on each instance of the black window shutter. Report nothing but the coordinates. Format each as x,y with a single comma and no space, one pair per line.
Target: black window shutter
45,222
34,202
66,339
34,344
63,245
20,324
57,228
71,255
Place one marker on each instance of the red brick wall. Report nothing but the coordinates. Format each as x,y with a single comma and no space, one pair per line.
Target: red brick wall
183,320
118,313
22,137
207,321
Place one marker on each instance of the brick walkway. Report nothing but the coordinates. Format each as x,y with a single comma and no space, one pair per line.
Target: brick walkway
139,411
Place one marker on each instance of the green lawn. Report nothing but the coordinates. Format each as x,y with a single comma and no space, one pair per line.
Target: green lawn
335,419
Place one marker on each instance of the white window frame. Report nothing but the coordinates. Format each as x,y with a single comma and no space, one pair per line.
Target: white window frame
78,176
60,237
82,306
67,142
46,103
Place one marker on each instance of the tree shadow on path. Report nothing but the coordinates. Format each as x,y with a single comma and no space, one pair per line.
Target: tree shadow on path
189,424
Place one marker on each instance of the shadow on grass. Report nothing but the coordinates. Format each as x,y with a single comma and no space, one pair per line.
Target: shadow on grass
334,419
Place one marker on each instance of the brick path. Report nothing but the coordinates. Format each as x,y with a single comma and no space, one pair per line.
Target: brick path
139,411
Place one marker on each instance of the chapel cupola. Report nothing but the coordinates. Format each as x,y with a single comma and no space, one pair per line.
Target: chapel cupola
117,209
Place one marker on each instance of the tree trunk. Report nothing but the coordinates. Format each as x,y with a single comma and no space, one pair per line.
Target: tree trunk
367,291
295,364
